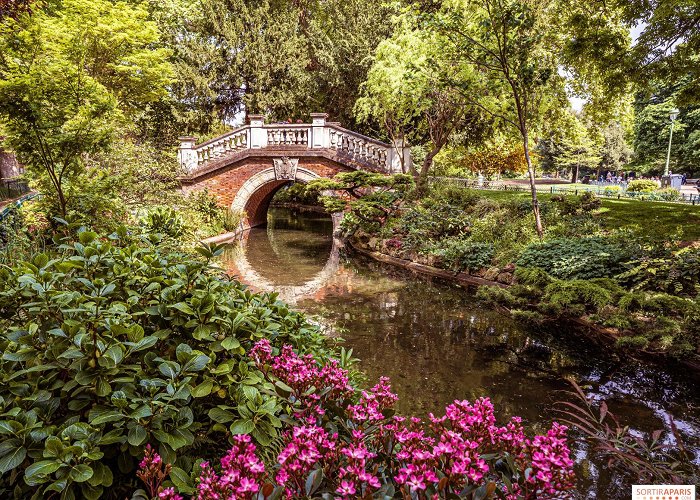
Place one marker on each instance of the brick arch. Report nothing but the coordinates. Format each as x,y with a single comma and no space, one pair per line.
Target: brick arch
256,193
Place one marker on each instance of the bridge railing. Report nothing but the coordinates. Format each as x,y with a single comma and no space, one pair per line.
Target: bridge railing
319,134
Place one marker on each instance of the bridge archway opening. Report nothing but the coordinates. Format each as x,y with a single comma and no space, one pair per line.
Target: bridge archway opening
255,195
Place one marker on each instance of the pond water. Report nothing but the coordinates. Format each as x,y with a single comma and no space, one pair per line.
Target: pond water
438,344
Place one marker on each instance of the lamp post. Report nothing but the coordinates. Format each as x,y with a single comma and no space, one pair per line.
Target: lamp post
672,116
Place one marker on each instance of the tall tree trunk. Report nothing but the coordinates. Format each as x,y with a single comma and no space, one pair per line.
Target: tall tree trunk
422,180
533,188
574,174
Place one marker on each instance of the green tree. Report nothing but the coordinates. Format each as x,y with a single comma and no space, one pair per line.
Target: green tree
411,90
615,152
515,45
285,58
68,77
578,151
342,38
652,128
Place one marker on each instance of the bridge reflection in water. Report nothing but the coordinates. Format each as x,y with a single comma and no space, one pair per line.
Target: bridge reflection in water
293,256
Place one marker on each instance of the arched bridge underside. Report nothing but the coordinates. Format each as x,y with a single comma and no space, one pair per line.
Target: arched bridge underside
246,167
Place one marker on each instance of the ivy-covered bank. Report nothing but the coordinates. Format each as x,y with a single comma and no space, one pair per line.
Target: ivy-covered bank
641,292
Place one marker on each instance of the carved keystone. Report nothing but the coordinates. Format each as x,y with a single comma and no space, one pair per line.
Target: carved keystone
285,168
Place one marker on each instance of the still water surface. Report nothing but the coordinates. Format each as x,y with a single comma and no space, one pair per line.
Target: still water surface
438,344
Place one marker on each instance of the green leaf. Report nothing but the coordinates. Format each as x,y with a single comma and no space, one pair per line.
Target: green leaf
137,435
12,459
282,389
101,415
230,343
53,447
183,307
182,480
196,363
203,389
42,468
220,415
170,369
80,473
242,427
144,343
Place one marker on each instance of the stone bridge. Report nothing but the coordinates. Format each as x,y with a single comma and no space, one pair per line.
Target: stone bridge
245,167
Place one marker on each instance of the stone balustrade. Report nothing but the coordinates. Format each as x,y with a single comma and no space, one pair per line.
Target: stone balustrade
348,145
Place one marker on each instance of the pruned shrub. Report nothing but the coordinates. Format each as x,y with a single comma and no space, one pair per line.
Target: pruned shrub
642,186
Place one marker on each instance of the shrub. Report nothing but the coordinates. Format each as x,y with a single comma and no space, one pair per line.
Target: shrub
612,190
337,447
642,186
463,254
455,195
164,220
533,276
109,344
498,295
668,194
576,258
677,273
576,205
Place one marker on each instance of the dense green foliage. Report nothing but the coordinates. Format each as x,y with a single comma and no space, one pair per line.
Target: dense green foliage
577,258
111,343
642,186
68,77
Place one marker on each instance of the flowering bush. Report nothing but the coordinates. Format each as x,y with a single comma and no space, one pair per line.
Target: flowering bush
340,445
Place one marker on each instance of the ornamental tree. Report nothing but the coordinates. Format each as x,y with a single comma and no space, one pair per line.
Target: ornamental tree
410,90
68,77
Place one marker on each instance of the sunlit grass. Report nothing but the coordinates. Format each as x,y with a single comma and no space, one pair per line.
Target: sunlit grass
653,220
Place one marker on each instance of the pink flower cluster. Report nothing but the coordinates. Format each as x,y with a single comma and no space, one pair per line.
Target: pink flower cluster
241,473
306,446
302,374
373,403
367,447
551,465
354,476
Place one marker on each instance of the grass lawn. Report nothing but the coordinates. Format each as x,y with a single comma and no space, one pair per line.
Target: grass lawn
654,220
